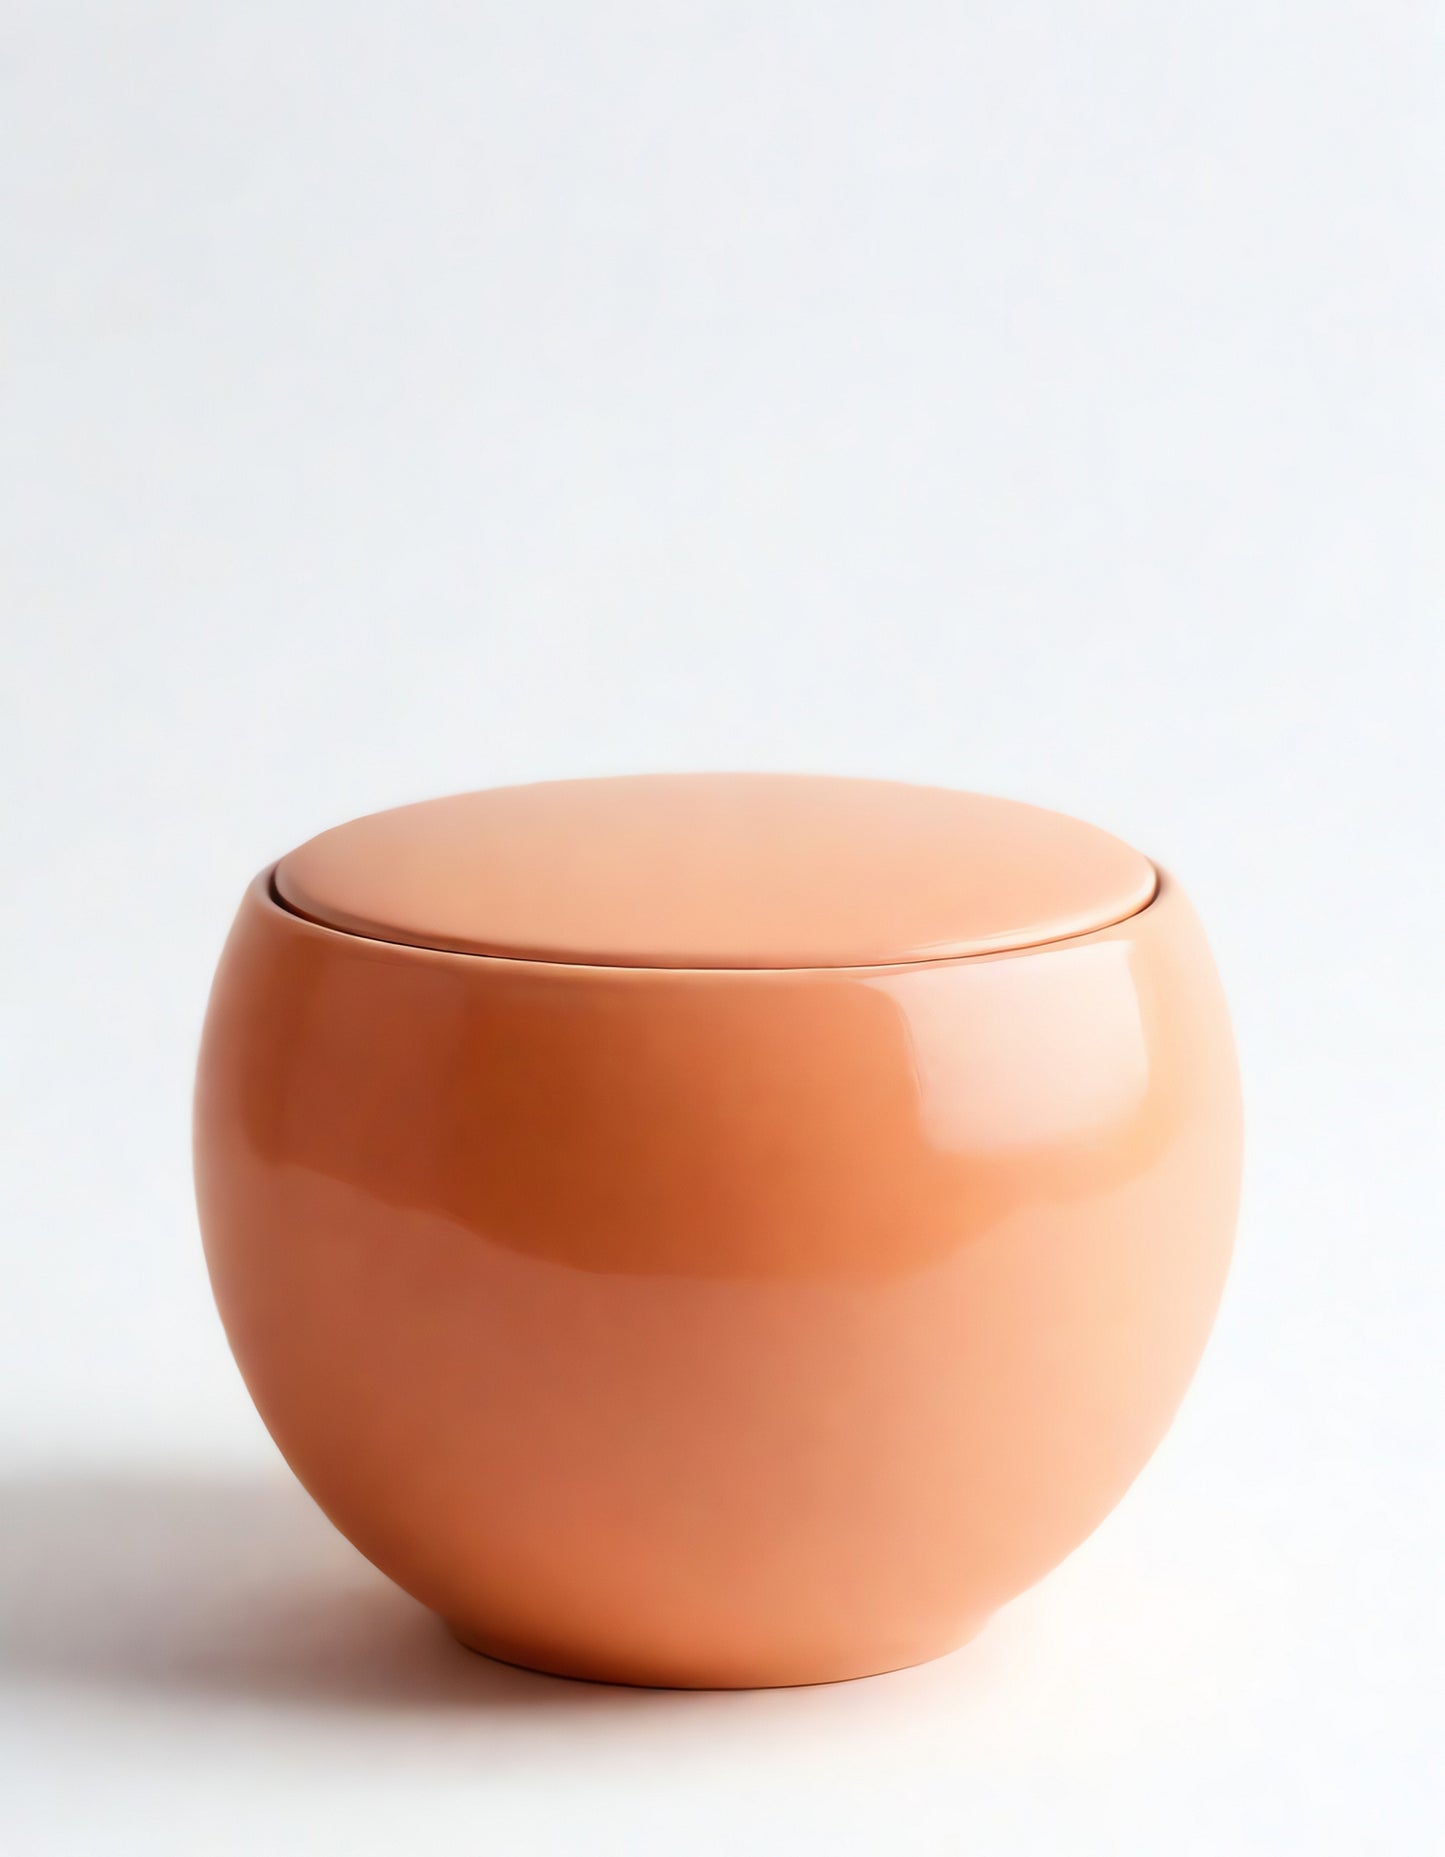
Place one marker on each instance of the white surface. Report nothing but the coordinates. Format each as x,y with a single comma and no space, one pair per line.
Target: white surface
1044,399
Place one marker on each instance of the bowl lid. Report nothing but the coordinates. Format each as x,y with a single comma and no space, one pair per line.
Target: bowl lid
717,871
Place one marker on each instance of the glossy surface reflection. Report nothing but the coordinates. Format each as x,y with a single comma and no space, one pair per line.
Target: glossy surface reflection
729,1327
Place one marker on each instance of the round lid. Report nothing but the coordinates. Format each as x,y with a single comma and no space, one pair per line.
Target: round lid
717,871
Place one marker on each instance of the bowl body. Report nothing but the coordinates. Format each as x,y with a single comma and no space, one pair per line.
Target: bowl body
716,1328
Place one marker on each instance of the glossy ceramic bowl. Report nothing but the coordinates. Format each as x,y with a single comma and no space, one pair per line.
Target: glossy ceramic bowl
716,1230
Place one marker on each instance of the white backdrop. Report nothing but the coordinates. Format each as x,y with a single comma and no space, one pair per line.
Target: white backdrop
1044,399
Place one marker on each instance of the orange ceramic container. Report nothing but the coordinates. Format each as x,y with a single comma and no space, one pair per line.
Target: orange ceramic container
716,1230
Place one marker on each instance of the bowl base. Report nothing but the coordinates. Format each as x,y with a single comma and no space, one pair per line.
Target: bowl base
581,1670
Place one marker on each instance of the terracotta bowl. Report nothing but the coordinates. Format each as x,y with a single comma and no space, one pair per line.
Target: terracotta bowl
716,1230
